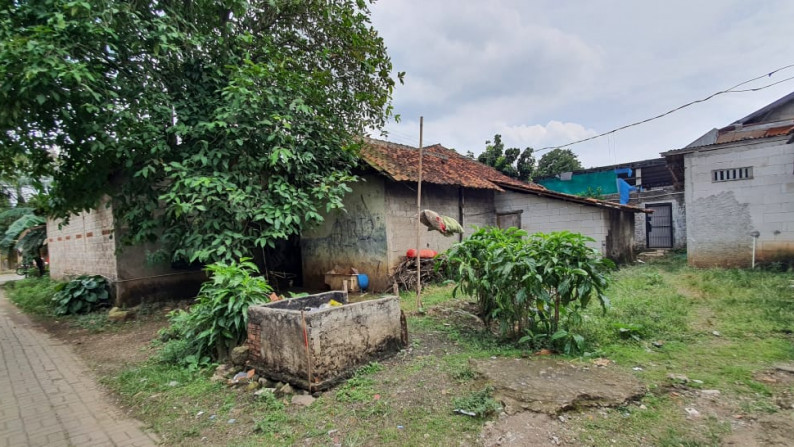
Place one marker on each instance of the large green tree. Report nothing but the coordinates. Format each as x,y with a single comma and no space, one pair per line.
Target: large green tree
214,125
557,161
512,162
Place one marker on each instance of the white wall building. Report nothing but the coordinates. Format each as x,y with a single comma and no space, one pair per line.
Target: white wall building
739,188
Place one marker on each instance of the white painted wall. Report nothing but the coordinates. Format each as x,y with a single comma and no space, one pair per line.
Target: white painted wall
721,215
541,214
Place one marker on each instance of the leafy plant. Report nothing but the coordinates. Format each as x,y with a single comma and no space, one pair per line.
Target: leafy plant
218,321
481,403
593,193
81,295
214,127
531,285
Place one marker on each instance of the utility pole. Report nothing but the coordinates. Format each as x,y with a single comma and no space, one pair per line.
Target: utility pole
418,223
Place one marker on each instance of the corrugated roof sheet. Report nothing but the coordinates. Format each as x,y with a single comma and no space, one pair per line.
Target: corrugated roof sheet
751,133
731,135
444,166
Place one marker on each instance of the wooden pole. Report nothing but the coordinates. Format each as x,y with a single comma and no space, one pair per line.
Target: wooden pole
418,223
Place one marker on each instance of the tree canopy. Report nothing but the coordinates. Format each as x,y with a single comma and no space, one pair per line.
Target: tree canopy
557,161
512,162
214,125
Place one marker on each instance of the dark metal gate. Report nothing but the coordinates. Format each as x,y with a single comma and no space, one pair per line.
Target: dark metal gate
659,226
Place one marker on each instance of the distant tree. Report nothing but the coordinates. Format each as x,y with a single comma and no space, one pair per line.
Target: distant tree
557,161
470,154
526,165
511,162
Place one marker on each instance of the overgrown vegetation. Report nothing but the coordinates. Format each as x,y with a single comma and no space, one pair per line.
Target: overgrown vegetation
668,312
33,295
81,295
534,287
218,321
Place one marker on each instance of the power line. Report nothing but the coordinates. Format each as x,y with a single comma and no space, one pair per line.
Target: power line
697,101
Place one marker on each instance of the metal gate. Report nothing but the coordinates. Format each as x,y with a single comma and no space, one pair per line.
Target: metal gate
659,226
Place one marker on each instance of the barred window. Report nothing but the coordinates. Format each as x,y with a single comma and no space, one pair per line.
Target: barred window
724,175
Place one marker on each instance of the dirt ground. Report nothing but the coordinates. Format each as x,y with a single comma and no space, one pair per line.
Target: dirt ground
117,346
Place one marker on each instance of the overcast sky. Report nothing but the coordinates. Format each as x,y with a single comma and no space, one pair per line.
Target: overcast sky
545,73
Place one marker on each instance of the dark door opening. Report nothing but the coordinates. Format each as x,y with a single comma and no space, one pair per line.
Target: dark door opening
659,226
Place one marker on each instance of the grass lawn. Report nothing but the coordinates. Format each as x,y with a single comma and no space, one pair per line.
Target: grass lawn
722,329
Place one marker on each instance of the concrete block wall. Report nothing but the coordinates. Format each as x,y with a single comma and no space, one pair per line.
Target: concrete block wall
721,215
678,207
478,211
87,245
355,237
544,215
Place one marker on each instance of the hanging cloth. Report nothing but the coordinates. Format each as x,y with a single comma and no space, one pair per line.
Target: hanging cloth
443,224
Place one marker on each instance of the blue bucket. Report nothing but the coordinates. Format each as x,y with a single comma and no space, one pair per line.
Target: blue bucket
363,281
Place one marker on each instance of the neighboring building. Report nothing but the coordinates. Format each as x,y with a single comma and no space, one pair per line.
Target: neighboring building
88,246
738,183
645,184
378,225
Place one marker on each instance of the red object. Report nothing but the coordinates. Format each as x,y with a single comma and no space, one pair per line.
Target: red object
426,253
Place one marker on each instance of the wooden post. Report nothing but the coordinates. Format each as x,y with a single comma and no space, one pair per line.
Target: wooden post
418,223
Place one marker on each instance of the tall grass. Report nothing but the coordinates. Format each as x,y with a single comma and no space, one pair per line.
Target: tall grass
33,295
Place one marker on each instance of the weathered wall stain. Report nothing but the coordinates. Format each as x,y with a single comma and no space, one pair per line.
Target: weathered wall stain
719,228
354,227
355,237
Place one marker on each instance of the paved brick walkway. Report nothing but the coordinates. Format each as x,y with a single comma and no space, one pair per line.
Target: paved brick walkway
48,396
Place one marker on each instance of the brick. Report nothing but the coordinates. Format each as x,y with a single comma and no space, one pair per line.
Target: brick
44,410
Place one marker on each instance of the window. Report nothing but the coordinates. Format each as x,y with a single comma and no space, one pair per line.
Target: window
507,220
724,175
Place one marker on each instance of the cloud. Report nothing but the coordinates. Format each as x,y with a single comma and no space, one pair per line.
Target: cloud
458,56
477,68
552,134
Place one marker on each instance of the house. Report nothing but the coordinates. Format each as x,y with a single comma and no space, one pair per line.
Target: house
378,224
645,184
88,245
372,233
738,185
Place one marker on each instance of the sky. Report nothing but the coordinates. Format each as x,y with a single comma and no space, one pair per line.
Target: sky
546,73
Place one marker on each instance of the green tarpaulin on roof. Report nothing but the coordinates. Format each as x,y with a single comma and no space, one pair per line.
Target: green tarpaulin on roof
583,183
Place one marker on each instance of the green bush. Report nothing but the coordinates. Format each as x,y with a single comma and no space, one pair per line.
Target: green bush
480,403
81,295
33,295
218,321
533,286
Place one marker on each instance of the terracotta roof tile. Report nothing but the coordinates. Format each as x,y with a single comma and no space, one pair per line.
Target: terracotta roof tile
440,166
444,166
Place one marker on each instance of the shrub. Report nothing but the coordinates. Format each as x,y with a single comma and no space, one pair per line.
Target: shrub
218,321
81,295
534,285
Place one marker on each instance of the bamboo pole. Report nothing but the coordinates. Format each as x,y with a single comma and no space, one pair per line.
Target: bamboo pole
418,223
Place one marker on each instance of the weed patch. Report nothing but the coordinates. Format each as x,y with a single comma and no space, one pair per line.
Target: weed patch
479,403
33,295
